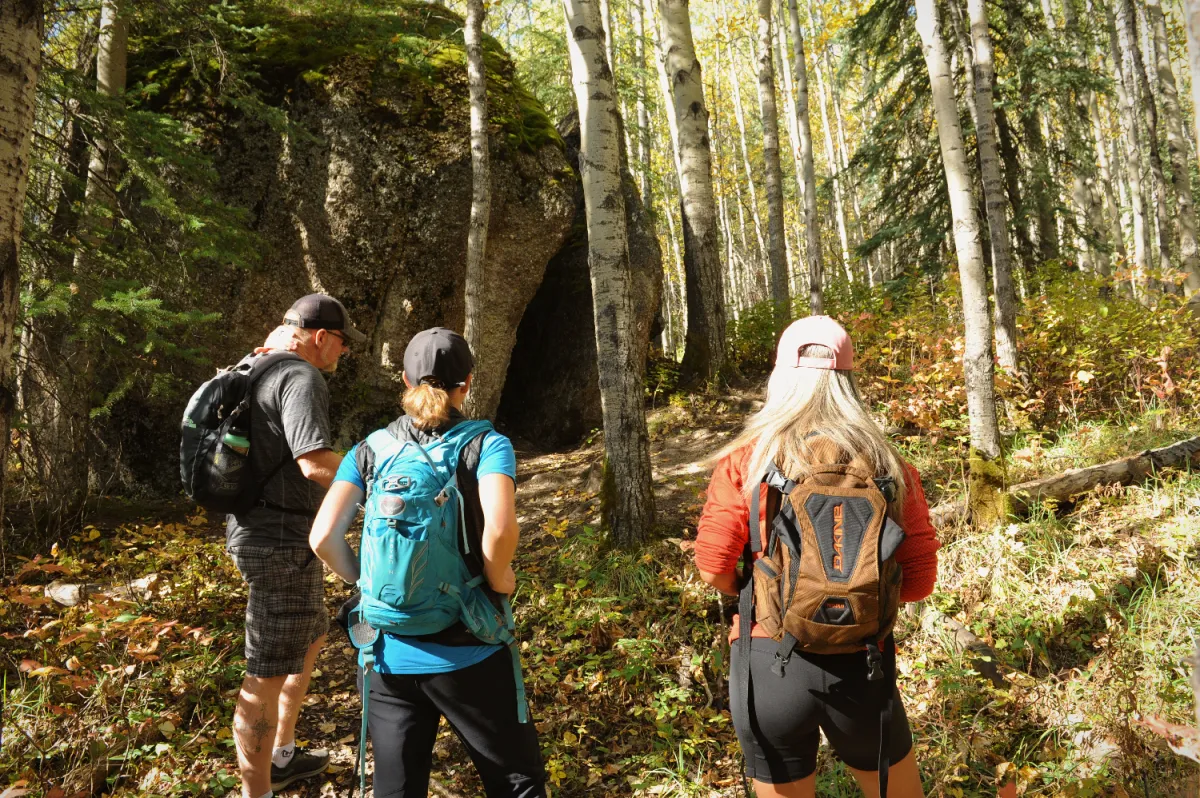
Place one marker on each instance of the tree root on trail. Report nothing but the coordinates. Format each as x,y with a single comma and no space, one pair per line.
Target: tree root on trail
1061,487
981,656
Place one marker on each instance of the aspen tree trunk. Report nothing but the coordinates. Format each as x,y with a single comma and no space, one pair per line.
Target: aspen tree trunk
704,350
844,161
1095,246
986,479
1185,214
740,116
489,377
1127,17
627,500
640,8
1012,187
665,90
831,162
1191,13
21,25
1112,207
774,180
749,270
983,74
812,226
1126,87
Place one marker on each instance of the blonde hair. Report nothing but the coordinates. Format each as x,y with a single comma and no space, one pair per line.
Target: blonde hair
802,401
428,404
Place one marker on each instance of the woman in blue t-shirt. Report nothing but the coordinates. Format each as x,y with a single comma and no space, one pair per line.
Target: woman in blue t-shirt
450,674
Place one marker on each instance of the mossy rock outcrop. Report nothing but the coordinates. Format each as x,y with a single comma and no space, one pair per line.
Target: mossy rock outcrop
358,180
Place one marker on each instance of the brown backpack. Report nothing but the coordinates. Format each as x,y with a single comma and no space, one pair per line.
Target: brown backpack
828,581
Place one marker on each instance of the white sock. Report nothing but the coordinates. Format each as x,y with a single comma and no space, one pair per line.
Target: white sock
270,794
280,757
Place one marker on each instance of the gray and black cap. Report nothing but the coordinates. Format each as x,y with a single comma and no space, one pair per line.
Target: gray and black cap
322,312
440,355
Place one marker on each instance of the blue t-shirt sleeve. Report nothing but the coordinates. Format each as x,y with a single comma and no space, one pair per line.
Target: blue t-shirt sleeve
496,456
348,470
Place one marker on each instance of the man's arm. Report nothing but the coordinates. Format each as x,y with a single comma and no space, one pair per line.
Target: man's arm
320,465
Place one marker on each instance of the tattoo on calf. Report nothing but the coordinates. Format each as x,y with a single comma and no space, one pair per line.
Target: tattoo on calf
260,730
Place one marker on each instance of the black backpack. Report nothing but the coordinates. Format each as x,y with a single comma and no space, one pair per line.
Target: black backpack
214,458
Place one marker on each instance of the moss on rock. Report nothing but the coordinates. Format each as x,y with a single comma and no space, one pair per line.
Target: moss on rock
416,47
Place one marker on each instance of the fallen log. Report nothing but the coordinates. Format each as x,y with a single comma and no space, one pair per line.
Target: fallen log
1125,471
1061,487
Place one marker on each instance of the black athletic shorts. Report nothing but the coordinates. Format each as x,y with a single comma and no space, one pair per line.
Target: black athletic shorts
816,693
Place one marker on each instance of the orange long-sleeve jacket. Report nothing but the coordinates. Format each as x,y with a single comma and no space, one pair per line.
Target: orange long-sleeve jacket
723,530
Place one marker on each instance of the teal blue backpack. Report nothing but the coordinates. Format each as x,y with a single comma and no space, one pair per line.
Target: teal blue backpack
413,578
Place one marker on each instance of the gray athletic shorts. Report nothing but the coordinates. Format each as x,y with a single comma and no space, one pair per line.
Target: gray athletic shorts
285,612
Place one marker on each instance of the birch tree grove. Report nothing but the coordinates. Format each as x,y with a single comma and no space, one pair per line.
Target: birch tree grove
628,503
812,228
776,247
21,36
704,350
481,203
1185,213
977,355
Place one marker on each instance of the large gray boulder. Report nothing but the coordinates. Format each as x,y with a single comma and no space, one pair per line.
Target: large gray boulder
366,196
358,183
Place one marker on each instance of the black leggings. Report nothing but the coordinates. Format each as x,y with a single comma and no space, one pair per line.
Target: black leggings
481,704
828,692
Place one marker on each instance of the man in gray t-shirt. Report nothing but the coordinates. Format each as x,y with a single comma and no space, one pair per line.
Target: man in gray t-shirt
291,449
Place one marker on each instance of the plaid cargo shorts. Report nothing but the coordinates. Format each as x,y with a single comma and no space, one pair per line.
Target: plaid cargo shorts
285,612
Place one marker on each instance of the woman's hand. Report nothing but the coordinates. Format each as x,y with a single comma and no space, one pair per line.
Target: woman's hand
505,582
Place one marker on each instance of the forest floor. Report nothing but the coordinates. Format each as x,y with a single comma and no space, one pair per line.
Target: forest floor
1089,609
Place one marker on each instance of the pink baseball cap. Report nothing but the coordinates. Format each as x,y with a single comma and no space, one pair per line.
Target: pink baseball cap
819,330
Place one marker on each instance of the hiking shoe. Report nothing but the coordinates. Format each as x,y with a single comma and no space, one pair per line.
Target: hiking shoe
304,765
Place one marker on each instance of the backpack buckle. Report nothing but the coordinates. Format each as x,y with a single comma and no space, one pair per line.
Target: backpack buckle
874,663
780,663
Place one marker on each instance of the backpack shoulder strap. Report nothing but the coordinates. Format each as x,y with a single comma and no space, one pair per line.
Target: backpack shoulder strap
381,446
262,364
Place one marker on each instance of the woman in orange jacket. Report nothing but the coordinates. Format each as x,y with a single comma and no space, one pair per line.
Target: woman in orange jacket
812,401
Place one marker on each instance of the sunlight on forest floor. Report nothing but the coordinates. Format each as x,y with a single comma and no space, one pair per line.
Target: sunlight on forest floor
1090,615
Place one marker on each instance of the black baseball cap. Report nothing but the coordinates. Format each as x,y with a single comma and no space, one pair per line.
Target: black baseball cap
322,312
438,353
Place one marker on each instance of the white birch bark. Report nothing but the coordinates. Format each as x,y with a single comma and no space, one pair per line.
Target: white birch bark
1144,97
812,226
993,187
977,354
21,24
1125,86
488,381
627,499
740,117
1112,205
1191,13
831,162
776,246
704,350
1185,215
640,8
